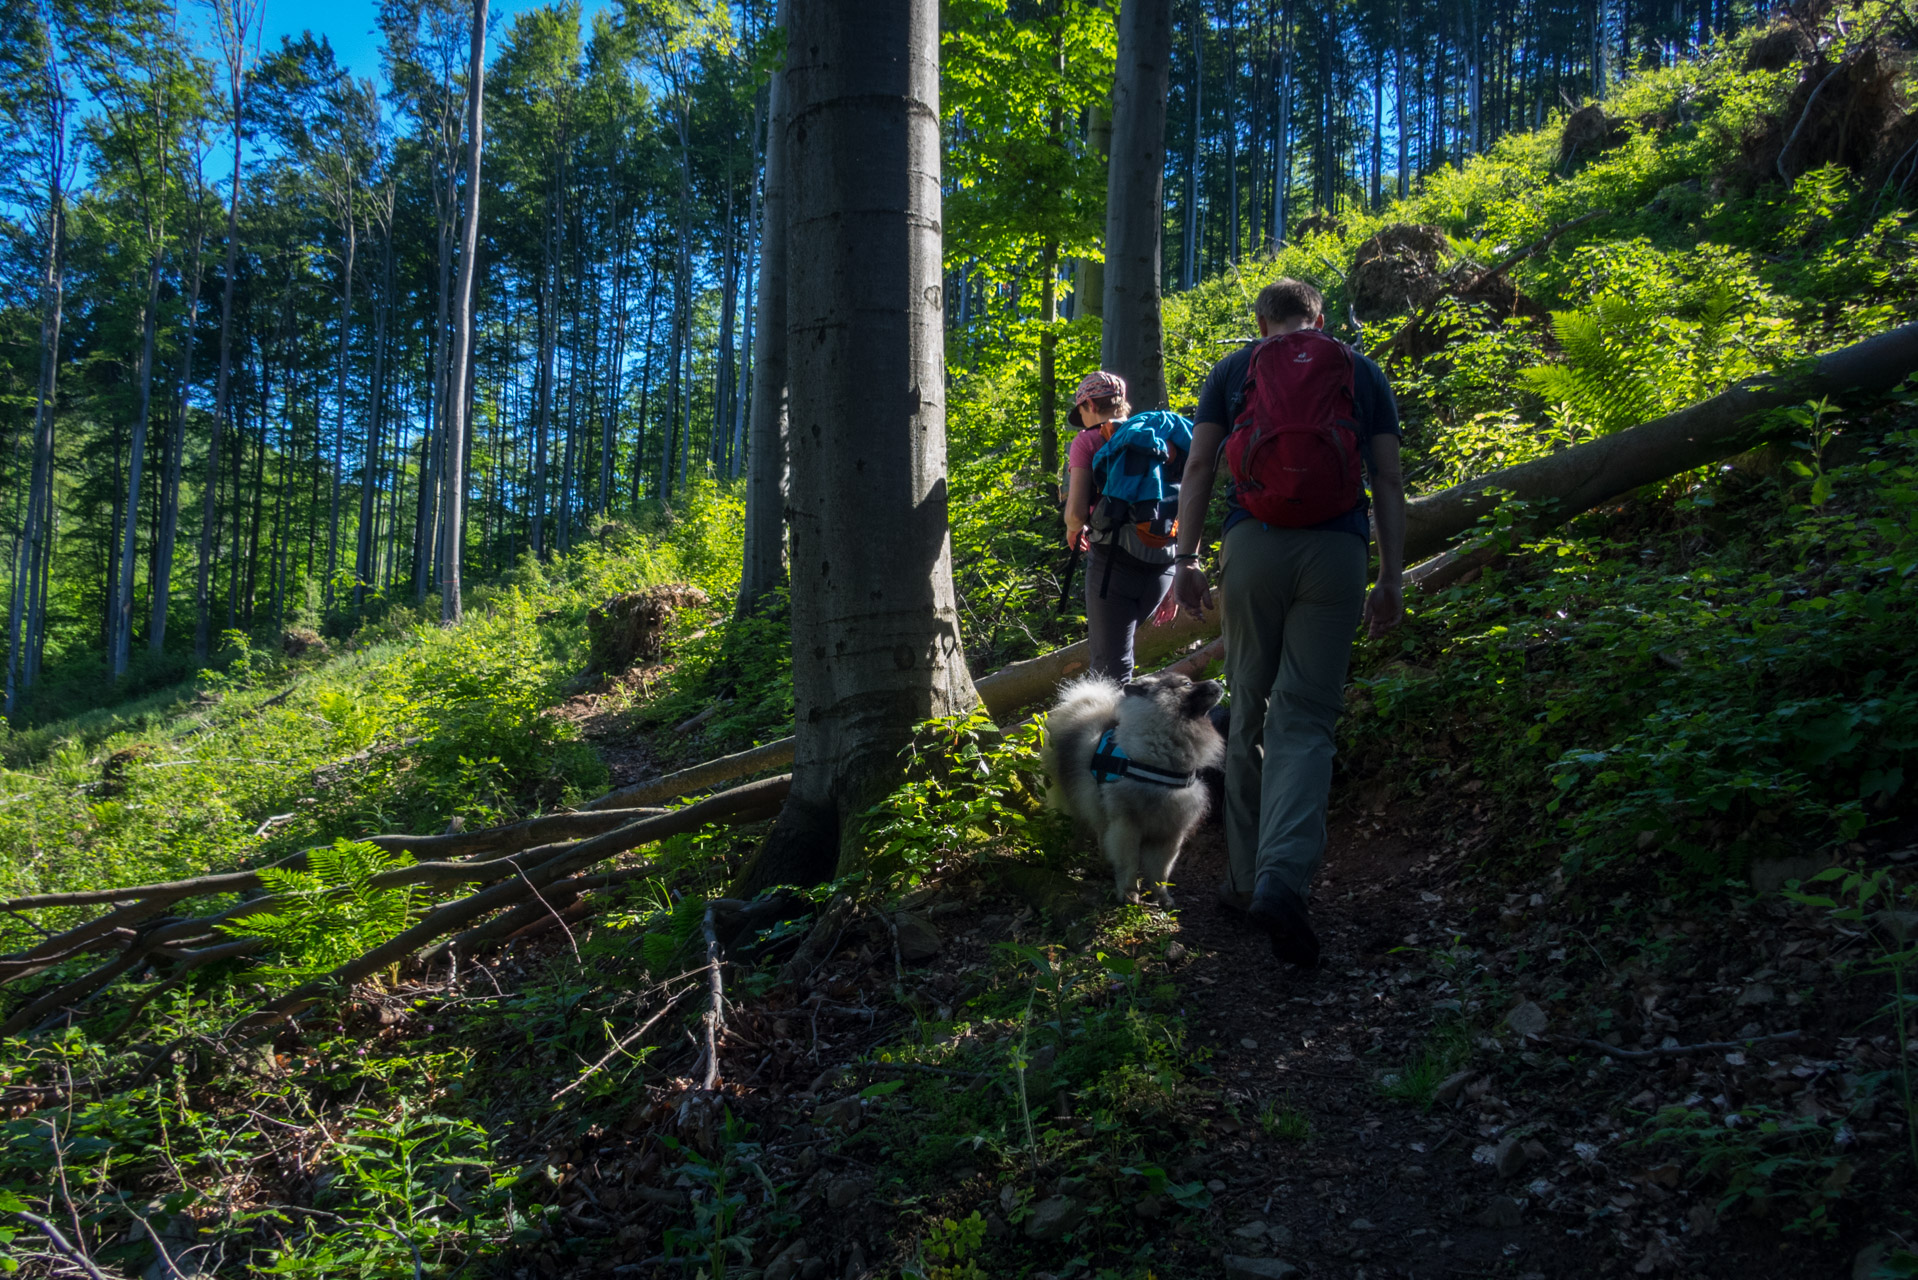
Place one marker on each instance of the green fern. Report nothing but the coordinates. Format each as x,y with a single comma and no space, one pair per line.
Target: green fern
1606,381
661,947
330,912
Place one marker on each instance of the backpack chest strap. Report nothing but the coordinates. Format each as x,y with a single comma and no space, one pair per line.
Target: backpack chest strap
1110,763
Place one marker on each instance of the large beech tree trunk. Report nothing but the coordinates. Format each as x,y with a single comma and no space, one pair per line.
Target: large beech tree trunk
1585,475
765,536
875,630
1133,340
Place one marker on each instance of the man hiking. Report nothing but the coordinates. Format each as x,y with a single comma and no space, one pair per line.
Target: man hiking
1292,415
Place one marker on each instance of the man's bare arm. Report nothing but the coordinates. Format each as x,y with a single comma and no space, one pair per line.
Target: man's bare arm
1195,496
1385,608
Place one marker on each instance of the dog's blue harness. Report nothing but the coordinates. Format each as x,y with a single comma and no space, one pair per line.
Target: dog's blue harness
1110,763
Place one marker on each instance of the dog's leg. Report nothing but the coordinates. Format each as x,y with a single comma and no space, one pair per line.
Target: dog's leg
1122,851
1155,867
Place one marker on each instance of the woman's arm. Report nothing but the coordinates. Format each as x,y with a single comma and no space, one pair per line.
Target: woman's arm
1078,506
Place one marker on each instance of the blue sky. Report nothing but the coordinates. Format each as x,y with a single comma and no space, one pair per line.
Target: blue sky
352,25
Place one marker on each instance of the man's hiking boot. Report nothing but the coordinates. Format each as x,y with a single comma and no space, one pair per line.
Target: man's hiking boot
1232,902
1282,913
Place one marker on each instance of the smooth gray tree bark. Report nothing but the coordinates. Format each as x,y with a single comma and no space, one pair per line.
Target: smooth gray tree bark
454,483
876,645
764,556
1133,339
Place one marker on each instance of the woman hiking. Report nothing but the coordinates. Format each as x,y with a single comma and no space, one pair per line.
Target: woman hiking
1129,560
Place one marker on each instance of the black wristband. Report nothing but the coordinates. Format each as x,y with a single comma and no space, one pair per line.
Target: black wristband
1177,559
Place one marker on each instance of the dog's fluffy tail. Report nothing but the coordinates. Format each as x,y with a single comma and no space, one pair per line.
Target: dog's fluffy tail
1085,707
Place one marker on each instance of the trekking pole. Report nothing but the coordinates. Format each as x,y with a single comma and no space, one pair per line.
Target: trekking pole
1065,590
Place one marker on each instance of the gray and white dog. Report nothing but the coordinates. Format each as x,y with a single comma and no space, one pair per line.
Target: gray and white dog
1125,760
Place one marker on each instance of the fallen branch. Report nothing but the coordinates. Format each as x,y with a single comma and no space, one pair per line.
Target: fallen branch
60,1243
1447,567
750,803
483,845
1679,1050
189,961
624,1042
714,1018
507,923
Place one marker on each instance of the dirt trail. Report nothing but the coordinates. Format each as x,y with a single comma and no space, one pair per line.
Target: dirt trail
1384,1187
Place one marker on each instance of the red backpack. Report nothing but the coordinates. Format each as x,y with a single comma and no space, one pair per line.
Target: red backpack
1294,452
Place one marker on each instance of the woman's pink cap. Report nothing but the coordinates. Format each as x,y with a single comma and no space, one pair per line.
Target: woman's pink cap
1099,386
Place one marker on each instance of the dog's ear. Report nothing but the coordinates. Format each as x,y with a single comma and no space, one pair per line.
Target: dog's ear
1137,689
1202,697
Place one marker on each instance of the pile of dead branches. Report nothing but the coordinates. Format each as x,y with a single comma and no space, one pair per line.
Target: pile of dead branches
530,871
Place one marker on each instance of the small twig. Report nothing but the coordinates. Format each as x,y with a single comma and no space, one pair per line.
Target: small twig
541,899
714,1018
166,1259
260,831
60,1244
1679,1050
620,1046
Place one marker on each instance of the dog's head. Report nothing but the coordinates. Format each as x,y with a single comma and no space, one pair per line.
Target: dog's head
1177,696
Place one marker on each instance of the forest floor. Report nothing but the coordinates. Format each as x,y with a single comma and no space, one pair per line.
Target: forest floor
1425,1104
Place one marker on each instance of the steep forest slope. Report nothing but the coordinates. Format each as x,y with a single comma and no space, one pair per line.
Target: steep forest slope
1573,1021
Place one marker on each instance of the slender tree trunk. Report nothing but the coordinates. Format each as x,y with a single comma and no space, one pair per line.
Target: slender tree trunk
120,638
1282,133
1089,280
548,349
168,534
1231,136
454,501
764,553
209,496
876,646
1132,343
743,396
366,535
1398,96
349,231
1189,275
35,542
646,385
615,365
1048,364
1378,130
259,488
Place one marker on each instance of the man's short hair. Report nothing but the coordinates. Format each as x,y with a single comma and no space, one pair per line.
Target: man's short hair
1288,299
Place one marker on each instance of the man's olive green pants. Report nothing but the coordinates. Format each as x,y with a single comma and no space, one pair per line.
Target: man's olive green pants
1293,599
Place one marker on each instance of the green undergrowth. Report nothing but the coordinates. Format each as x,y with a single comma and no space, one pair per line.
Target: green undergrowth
413,725
1720,674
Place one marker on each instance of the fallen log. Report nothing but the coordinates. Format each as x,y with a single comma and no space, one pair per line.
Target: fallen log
1004,691
1586,475
749,803
483,844
535,867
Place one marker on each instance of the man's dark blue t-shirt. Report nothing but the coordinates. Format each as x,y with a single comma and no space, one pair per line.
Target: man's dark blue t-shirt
1222,399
